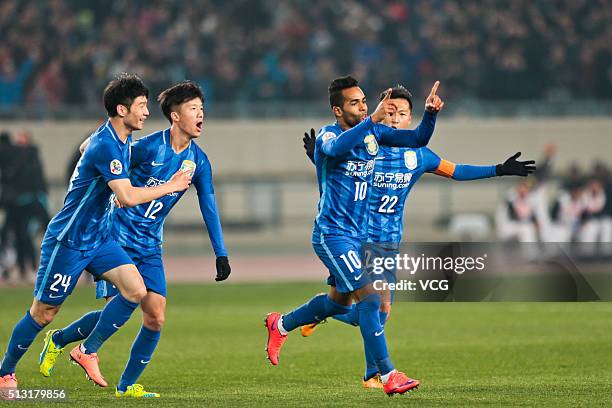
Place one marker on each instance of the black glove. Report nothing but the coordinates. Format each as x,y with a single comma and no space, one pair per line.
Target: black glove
309,144
513,167
223,268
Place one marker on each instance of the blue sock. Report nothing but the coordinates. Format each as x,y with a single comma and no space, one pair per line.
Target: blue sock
316,309
114,315
351,317
140,355
77,330
373,332
24,333
371,366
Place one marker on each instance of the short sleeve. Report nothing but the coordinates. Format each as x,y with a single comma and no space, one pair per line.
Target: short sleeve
108,160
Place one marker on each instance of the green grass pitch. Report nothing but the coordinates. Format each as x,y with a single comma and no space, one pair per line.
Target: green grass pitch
465,354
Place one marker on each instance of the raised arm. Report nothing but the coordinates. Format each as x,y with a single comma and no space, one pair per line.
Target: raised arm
338,145
418,137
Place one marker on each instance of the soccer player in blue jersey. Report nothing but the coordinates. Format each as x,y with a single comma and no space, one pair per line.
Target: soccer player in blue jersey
396,171
344,157
79,237
155,158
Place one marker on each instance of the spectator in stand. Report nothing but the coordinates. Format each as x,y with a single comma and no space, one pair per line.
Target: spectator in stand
516,216
519,50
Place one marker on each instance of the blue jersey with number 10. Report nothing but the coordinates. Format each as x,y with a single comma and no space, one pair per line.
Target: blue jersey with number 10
345,166
154,162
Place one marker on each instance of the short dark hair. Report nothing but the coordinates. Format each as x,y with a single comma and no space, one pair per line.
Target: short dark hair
178,94
122,91
399,92
337,86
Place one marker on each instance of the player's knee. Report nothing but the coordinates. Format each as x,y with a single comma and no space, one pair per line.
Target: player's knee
42,314
154,321
385,307
136,293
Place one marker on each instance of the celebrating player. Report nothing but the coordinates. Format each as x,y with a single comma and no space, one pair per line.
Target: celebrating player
344,157
139,230
79,236
396,171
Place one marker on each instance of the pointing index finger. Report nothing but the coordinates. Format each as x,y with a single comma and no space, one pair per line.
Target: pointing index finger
434,89
388,94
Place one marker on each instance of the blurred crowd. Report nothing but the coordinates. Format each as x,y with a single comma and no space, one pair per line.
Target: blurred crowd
63,51
23,205
577,208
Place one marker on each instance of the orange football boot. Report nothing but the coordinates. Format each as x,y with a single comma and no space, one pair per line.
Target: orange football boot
308,329
374,382
7,382
89,363
275,339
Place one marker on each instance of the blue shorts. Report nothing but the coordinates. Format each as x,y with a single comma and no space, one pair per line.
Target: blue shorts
61,266
342,257
151,268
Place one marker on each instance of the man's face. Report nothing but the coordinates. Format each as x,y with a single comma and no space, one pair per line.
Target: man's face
190,117
402,116
354,108
137,114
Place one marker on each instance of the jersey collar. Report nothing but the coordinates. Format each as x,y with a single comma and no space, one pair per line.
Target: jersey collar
110,127
166,139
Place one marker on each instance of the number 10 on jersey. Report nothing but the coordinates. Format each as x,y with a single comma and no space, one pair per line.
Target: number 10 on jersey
361,190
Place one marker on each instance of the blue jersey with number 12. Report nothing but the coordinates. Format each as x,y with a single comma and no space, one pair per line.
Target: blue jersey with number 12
154,162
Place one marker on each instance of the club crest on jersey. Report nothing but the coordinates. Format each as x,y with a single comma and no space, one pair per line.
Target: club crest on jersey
410,159
328,135
116,167
371,144
188,167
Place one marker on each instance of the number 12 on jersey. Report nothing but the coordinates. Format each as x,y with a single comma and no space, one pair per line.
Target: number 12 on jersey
153,209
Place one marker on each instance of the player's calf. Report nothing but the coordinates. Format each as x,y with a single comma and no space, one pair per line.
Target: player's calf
42,313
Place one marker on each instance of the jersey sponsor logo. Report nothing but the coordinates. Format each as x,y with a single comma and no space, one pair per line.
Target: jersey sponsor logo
356,168
188,167
390,180
410,159
154,182
116,167
328,136
371,144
